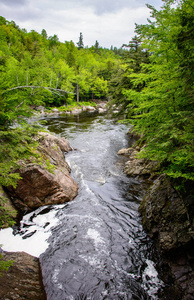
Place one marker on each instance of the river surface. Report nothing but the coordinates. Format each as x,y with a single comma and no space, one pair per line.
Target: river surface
93,247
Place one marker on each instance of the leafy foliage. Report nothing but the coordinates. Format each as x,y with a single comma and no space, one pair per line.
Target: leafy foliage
15,144
39,70
162,110
6,213
4,265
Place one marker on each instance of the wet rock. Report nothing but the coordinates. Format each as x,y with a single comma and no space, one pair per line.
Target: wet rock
102,105
136,166
90,108
101,110
76,111
127,151
23,279
48,141
55,110
166,219
165,215
48,183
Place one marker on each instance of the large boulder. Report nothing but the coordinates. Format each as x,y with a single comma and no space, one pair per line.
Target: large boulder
49,183
23,279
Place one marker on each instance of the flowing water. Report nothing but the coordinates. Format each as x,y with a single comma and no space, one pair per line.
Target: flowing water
93,247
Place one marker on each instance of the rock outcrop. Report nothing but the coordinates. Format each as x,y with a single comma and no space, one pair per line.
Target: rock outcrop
165,217
23,279
49,183
168,221
135,166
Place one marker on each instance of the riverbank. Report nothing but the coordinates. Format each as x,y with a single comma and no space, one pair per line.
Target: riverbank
96,106
44,182
167,218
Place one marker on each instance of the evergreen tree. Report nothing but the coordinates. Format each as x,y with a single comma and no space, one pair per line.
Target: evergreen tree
80,43
44,34
96,46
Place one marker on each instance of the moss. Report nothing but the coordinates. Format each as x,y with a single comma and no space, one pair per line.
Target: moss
7,213
4,265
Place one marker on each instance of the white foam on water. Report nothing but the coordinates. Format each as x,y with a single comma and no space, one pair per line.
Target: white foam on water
39,230
94,234
101,180
34,245
96,259
150,275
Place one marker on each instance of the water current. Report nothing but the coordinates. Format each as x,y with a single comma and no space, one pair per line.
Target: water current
93,247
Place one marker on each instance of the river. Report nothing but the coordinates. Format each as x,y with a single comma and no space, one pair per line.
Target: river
93,247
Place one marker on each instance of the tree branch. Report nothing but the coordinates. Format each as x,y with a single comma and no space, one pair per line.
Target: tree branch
38,87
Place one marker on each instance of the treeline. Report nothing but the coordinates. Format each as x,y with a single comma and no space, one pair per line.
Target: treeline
40,70
155,89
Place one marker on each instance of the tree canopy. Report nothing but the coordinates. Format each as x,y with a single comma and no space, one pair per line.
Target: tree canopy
159,96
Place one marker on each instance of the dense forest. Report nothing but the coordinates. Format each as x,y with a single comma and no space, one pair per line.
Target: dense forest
150,80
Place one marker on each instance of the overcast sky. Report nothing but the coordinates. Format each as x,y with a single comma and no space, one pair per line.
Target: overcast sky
111,22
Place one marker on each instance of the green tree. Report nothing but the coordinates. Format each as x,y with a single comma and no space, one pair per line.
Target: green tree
44,34
162,110
96,46
80,43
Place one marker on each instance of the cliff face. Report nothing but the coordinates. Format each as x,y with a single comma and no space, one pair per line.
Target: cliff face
40,186
166,218
23,279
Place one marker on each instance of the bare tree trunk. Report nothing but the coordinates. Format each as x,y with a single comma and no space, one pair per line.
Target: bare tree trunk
27,78
51,78
17,79
77,93
57,82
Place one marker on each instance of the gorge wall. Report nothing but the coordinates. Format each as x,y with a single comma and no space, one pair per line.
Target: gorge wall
167,219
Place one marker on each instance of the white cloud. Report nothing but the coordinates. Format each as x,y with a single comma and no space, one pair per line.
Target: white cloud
108,21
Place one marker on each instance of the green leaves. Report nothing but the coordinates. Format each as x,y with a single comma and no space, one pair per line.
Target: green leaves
162,110
15,145
7,213
4,265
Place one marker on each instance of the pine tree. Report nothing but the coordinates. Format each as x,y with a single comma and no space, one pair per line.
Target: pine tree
80,43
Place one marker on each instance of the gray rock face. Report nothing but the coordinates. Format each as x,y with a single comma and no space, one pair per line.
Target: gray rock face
165,215
23,279
166,219
135,166
38,185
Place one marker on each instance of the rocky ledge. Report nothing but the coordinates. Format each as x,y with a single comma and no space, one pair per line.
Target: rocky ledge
166,218
47,182
23,280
